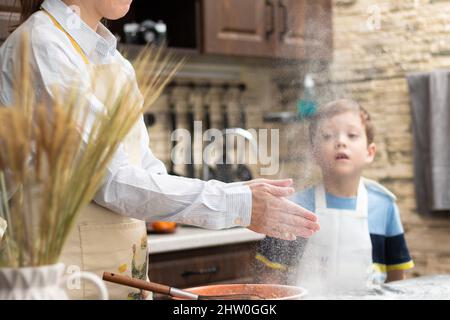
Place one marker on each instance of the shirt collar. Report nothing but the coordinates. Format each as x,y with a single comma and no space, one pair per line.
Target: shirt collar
102,42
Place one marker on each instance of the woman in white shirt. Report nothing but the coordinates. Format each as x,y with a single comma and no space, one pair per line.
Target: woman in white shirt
66,38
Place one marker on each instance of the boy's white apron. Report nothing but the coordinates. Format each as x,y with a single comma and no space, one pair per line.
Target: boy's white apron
339,256
102,240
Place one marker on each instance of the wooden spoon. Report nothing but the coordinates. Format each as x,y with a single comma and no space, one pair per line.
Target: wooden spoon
170,291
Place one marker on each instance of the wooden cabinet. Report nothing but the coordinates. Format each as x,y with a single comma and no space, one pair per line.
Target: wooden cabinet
294,29
9,16
298,29
9,5
304,29
238,27
197,267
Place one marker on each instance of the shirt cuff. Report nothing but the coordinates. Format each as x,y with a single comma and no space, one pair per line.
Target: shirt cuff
236,184
239,206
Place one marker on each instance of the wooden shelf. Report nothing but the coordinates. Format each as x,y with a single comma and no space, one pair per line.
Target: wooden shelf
133,50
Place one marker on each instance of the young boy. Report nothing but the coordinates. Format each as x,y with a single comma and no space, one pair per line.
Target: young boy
361,238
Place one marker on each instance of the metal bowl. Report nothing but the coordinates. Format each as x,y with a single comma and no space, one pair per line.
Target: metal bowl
266,291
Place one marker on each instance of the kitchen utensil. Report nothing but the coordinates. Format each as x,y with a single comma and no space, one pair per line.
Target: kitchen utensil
173,123
264,291
282,117
172,292
149,119
151,32
242,172
207,171
190,169
224,168
131,31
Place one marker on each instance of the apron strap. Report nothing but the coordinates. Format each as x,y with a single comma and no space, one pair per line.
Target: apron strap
362,202
72,40
320,197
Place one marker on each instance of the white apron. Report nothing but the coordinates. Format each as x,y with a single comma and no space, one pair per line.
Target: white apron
339,257
102,240
106,241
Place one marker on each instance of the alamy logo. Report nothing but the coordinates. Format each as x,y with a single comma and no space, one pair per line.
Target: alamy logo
254,147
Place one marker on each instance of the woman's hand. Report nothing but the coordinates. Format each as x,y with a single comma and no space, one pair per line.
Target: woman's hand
274,215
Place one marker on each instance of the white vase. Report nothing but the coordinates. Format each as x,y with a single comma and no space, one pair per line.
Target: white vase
42,283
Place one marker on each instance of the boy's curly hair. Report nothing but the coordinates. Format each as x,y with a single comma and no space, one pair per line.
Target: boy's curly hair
337,107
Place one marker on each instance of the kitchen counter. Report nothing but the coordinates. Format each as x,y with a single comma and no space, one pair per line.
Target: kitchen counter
433,287
187,237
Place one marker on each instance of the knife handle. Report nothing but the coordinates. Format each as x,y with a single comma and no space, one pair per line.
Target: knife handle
136,283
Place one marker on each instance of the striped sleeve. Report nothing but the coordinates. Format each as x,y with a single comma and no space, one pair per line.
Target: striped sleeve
390,251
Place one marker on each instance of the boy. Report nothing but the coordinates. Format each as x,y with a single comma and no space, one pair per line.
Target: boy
360,231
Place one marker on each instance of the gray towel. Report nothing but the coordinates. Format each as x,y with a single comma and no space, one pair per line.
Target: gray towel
430,106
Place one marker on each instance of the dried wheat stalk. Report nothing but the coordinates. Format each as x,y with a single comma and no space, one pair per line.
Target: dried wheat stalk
49,171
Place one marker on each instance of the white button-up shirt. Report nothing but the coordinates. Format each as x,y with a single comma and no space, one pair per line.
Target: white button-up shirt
144,192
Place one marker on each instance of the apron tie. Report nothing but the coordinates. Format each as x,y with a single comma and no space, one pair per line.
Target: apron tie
72,40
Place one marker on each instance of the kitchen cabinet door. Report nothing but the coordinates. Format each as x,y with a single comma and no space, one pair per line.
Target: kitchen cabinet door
9,16
304,29
9,5
204,266
239,27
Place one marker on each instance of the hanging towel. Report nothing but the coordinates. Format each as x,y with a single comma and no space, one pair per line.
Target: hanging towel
430,107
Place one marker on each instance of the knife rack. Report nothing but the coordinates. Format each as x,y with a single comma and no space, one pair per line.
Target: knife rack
217,104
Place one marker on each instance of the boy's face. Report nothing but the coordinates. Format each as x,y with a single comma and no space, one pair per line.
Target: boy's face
340,145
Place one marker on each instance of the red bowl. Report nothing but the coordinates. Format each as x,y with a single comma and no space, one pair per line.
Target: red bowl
266,291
